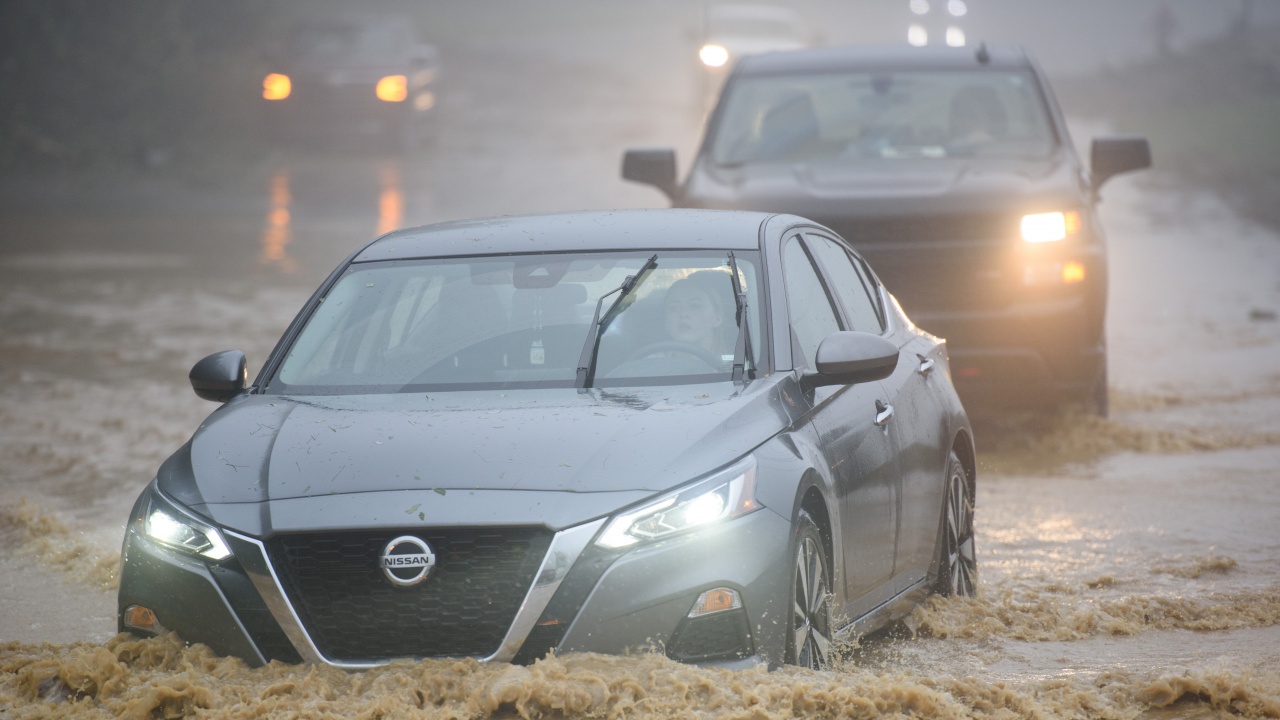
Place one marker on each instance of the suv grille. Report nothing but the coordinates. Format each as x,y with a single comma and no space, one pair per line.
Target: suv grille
940,263
464,608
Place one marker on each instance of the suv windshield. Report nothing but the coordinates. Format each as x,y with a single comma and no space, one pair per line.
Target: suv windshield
520,321
859,115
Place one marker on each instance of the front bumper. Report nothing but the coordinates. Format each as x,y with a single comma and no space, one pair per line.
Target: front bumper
582,599
1050,348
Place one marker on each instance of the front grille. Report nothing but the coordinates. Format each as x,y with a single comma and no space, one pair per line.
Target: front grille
940,263
464,608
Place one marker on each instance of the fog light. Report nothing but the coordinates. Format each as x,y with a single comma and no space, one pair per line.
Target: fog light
1073,272
143,619
716,600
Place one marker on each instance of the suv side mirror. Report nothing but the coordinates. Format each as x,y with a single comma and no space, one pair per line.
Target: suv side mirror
651,166
1110,156
221,376
848,357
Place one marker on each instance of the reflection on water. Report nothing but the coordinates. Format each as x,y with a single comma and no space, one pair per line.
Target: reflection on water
390,198
277,233
277,236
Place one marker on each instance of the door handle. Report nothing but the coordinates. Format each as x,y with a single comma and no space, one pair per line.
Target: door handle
883,414
926,365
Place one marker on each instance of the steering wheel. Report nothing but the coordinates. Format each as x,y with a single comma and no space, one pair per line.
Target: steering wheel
712,360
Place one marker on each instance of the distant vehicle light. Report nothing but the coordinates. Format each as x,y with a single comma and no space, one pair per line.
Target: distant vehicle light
424,101
393,88
917,36
276,86
955,37
714,55
1050,227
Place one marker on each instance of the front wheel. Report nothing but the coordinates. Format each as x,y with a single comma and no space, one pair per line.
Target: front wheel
958,559
809,639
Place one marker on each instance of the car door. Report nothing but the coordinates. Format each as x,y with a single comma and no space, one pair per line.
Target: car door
858,451
922,451
916,424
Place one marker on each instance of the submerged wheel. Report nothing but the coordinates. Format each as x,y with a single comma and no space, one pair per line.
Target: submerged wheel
809,639
1101,405
958,561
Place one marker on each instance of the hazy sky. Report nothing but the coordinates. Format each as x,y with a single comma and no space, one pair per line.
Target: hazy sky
1066,35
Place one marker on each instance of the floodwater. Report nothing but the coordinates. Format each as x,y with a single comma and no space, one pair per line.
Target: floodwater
1128,566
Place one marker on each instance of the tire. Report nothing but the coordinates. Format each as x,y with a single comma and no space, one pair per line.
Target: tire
809,642
1100,404
957,552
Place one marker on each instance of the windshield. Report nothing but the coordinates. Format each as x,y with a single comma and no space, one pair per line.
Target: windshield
349,42
891,115
521,322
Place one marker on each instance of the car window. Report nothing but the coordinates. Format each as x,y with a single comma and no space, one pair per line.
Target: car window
851,288
887,115
812,316
522,321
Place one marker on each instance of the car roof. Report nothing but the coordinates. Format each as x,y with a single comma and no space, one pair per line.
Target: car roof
889,57
654,229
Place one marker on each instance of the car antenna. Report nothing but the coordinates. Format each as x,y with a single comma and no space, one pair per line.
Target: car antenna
983,56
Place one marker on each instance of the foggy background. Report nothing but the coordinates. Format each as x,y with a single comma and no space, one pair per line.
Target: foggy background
126,104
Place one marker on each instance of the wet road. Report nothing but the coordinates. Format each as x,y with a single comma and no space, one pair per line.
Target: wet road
1128,566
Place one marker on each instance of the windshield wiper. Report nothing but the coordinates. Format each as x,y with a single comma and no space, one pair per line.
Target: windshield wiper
591,348
742,354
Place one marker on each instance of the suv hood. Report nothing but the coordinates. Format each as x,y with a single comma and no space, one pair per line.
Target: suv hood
632,444
885,187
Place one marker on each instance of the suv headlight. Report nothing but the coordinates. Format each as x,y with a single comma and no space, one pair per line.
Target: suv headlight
172,528
1050,226
726,494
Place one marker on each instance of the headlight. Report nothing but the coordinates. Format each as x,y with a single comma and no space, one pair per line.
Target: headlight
713,55
392,88
276,86
1050,227
726,494
182,532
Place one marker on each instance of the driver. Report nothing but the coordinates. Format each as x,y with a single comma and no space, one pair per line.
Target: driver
694,312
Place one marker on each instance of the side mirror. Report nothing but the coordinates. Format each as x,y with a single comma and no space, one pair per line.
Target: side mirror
221,376
651,166
848,357
1111,156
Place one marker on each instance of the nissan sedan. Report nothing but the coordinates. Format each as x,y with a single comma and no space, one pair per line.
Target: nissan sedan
711,433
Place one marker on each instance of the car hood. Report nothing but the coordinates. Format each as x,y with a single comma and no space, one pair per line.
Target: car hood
886,187
617,446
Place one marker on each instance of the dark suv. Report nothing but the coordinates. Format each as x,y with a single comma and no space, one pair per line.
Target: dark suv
951,170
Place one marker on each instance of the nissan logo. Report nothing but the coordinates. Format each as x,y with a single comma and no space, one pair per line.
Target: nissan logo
407,561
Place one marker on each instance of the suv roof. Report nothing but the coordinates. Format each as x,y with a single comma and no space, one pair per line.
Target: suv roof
864,57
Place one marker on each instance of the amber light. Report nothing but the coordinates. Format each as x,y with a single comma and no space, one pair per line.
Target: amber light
393,88
141,618
1073,272
714,601
276,86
